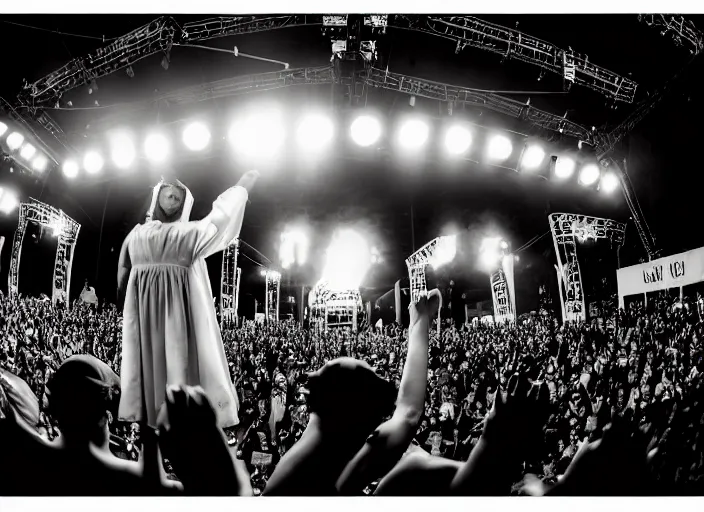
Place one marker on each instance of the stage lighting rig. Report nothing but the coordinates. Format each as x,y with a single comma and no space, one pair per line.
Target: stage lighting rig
70,169
458,139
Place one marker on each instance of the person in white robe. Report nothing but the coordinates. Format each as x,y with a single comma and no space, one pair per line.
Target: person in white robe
170,333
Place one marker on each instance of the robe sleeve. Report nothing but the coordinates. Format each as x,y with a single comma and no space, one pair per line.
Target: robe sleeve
223,223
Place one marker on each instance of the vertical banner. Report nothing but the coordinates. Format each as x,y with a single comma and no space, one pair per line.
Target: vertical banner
507,265
502,301
2,244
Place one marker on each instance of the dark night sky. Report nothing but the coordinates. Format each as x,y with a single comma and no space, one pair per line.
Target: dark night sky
664,151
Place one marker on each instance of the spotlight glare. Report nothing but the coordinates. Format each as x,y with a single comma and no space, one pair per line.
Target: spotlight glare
533,157
93,162
500,148
15,140
39,163
458,139
70,169
564,167
315,132
259,136
156,148
27,151
445,251
3,128
609,183
413,134
122,151
196,136
365,130
347,260
8,202
589,175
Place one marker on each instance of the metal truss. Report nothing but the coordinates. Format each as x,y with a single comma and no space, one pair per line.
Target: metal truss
682,31
463,95
229,286
239,25
67,230
156,36
344,307
273,286
566,229
574,67
417,262
503,310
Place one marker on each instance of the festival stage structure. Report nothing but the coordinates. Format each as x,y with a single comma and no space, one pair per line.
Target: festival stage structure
63,227
332,309
229,286
567,229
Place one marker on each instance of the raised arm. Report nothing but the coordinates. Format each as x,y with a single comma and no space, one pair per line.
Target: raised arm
388,443
224,222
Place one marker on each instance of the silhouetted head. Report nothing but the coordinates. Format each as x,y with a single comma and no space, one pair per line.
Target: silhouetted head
346,393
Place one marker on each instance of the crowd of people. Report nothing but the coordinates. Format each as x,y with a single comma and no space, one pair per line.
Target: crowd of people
611,406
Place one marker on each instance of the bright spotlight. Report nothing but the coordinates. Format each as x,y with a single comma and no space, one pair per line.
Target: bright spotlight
589,175
294,248
3,128
457,140
39,163
500,148
196,136
8,202
262,273
15,140
490,254
347,260
503,245
122,152
413,134
157,148
365,130
609,183
445,251
93,162
533,157
564,167
259,136
70,169
27,151
315,132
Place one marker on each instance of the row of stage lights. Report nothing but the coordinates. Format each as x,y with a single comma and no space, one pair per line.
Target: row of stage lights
261,136
27,152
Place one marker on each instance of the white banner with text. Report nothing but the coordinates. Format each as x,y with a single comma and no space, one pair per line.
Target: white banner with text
669,272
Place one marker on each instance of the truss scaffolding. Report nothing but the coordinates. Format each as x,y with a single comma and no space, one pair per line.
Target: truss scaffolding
273,286
682,31
335,309
567,229
229,286
62,226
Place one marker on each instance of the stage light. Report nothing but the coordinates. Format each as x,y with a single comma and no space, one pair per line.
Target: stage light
259,136
589,174
365,130
15,140
93,162
122,151
445,251
262,273
3,128
70,169
8,202
315,132
27,151
294,247
156,148
458,139
500,148
347,260
503,245
196,136
609,182
533,157
413,134
564,167
490,254
39,163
